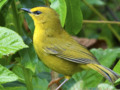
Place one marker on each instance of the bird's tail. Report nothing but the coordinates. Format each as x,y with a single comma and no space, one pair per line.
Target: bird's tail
106,72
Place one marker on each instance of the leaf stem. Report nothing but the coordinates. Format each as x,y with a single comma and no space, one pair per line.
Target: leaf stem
16,18
103,18
54,76
101,22
28,78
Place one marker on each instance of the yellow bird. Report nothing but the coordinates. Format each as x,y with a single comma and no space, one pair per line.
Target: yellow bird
58,50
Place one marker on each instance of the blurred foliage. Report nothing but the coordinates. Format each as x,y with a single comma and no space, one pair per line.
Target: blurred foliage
22,69
74,17
60,7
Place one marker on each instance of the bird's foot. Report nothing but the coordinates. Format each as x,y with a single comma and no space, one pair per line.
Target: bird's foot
55,81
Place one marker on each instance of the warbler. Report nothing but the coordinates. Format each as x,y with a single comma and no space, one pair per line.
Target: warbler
58,50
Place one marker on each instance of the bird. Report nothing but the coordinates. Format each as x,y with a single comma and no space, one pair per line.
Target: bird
58,50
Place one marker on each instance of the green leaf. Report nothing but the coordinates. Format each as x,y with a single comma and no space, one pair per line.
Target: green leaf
2,2
117,70
60,7
78,85
18,70
44,75
74,17
13,84
29,58
88,76
105,86
96,2
28,78
39,84
4,12
117,67
10,42
117,82
16,88
85,10
41,67
7,75
106,57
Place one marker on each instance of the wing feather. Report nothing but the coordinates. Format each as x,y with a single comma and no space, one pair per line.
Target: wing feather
72,52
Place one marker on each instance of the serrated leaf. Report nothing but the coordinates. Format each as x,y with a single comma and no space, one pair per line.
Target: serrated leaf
60,7
7,75
10,42
74,17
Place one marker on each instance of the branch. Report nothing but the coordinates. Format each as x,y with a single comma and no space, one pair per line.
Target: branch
103,18
101,22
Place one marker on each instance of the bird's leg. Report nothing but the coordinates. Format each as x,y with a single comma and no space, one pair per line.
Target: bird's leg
66,79
55,81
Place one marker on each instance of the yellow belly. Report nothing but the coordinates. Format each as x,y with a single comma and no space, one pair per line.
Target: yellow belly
60,65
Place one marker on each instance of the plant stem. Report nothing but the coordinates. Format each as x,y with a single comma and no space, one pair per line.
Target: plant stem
16,18
54,76
103,18
47,3
101,22
28,78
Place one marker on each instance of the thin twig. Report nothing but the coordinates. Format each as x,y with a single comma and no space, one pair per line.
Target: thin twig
103,18
101,22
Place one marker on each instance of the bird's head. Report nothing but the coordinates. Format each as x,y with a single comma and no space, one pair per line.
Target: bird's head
42,14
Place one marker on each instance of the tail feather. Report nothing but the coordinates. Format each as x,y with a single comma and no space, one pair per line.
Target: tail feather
106,72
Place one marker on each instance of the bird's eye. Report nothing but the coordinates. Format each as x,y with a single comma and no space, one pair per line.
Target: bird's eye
37,12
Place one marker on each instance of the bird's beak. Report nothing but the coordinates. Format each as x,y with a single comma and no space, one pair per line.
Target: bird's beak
26,10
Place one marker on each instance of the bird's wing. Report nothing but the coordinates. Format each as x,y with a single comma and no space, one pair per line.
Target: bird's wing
70,51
